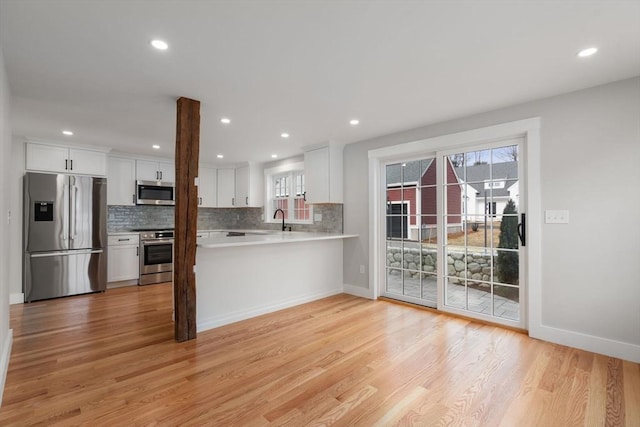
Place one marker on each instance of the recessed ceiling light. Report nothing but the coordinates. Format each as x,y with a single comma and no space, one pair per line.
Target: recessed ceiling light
274,156
587,52
284,135
354,122
67,132
220,156
156,146
225,120
159,44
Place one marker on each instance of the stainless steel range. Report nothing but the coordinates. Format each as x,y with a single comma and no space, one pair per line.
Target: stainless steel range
156,256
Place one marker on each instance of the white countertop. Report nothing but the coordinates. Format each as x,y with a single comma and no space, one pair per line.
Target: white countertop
253,231
269,238
122,233
226,230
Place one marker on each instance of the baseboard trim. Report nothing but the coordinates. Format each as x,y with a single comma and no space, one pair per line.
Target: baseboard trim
605,346
4,361
216,321
358,291
122,284
17,298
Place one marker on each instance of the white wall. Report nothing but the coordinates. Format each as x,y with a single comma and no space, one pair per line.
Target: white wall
5,160
590,164
15,232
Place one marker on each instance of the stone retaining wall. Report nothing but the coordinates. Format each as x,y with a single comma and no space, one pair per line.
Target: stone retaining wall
472,266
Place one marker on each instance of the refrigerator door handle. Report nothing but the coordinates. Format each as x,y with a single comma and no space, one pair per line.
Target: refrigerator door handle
65,212
73,232
59,253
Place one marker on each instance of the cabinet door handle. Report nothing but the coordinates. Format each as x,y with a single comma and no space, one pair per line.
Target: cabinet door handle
124,240
233,201
138,251
160,175
304,196
246,200
66,164
199,200
133,199
71,161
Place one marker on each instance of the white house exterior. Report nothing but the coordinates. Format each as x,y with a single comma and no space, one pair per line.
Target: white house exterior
487,188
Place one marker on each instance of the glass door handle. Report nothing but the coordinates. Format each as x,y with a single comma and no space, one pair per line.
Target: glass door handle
522,229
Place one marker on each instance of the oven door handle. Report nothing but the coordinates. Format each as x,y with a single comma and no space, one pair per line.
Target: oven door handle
157,242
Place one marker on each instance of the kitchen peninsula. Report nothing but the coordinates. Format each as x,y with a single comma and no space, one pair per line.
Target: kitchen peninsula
246,276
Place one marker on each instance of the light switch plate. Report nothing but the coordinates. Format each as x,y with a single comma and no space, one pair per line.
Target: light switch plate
317,217
556,217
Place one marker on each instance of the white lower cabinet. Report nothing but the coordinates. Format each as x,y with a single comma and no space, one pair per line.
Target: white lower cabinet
123,262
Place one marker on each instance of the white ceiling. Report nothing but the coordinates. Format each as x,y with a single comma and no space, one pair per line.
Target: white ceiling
304,67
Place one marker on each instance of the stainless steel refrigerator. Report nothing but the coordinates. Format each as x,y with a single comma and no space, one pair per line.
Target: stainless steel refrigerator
65,235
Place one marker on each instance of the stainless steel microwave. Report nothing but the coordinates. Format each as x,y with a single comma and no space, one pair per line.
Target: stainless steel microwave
155,193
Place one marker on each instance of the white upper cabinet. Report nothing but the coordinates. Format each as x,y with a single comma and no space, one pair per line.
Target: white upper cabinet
155,171
53,158
242,186
323,174
121,179
87,162
167,171
226,188
249,186
207,187
47,158
147,171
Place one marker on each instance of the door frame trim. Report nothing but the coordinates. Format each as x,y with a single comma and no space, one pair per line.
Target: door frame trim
529,130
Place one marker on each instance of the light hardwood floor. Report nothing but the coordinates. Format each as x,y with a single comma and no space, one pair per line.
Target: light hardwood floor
110,359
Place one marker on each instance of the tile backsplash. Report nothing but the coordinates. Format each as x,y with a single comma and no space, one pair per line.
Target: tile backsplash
125,218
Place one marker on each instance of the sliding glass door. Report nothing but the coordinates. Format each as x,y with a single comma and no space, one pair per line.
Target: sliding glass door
482,245
454,233
411,230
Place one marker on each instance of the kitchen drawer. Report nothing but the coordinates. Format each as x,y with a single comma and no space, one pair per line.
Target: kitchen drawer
202,235
124,239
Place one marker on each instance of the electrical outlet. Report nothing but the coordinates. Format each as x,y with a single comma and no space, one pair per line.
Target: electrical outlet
362,269
556,217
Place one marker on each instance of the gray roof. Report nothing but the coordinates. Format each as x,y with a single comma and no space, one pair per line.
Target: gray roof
476,175
410,173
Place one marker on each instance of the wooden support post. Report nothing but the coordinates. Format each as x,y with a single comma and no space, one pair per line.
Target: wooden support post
186,218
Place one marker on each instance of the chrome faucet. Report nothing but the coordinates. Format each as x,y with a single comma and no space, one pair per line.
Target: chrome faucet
276,213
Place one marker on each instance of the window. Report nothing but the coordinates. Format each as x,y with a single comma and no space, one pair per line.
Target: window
490,208
287,192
